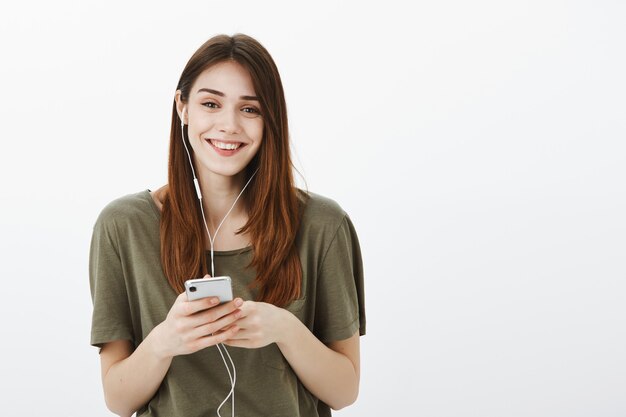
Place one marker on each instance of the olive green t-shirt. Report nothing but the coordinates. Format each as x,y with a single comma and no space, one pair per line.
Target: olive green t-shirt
131,295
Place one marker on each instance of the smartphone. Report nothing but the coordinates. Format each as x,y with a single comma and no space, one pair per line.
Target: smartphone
209,287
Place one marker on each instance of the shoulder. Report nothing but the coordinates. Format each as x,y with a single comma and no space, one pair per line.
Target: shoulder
320,210
322,217
125,210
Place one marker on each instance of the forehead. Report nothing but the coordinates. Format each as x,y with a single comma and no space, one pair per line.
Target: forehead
228,77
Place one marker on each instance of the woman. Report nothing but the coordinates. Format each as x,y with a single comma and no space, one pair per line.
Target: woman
293,256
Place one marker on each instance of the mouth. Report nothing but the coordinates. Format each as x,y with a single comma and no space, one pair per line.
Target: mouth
225,148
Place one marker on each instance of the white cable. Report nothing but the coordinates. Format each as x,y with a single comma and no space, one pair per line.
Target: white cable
182,132
212,239
232,377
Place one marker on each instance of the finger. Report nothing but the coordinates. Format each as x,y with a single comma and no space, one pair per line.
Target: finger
218,312
242,334
182,298
225,328
216,326
215,313
243,343
247,307
187,308
244,322
207,341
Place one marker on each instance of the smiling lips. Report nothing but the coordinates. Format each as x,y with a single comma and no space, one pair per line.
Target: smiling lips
225,148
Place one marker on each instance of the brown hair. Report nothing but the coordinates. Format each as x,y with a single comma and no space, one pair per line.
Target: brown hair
272,200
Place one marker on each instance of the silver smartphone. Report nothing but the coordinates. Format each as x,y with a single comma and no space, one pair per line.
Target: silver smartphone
209,287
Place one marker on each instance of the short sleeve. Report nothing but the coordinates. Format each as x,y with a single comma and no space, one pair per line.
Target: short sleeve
340,298
111,318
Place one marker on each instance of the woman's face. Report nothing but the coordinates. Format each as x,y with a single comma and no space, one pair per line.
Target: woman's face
225,126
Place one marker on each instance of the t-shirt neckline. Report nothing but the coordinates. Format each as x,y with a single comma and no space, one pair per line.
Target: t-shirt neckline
156,210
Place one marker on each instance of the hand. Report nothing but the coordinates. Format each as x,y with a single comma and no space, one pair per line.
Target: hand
260,324
194,325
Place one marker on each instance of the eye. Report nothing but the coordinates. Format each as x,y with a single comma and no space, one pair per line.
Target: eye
251,111
210,105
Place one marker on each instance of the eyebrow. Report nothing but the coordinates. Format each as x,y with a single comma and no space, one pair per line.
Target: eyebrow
219,93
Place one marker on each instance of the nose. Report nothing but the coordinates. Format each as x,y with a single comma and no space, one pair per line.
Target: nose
228,122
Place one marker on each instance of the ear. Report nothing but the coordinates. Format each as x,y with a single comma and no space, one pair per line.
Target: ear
180,106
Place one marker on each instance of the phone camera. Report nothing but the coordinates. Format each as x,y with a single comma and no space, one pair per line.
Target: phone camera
192,289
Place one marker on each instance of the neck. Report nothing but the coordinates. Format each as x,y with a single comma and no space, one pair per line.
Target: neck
218,195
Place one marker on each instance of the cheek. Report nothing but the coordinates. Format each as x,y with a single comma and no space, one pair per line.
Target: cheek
255,131
200,128
194,137
195,134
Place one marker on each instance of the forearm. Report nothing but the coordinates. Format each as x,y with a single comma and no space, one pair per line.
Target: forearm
327,374
131,383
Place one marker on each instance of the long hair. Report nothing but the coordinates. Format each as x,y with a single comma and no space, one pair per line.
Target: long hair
273,202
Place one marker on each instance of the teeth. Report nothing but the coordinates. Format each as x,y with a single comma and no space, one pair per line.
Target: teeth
227,146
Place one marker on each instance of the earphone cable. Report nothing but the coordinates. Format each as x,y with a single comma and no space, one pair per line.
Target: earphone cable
231,376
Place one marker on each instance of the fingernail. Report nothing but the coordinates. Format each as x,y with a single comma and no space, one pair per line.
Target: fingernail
214,300
238,302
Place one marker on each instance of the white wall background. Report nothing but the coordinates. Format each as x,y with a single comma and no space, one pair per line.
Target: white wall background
479,148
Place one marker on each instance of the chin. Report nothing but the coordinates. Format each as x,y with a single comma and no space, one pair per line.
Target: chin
226,167
226,171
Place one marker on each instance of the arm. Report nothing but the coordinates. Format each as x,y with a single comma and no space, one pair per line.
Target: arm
130,379
331,373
